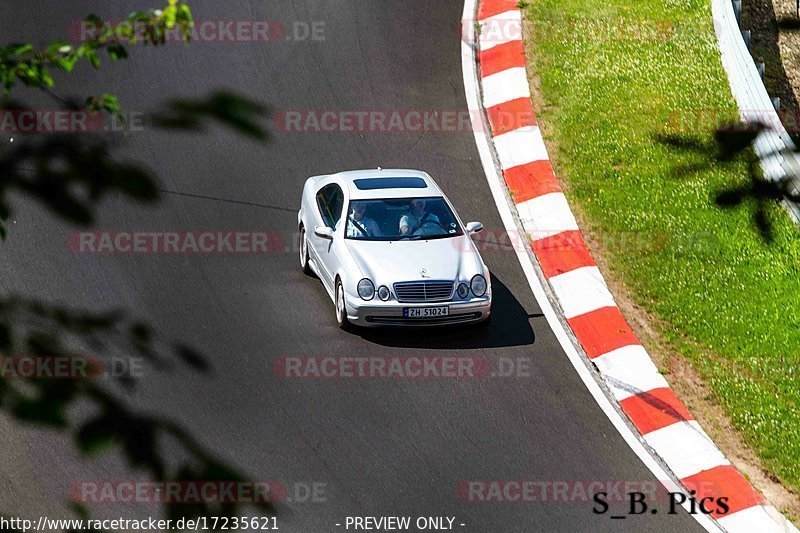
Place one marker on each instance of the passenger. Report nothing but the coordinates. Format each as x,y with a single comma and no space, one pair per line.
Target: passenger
359,225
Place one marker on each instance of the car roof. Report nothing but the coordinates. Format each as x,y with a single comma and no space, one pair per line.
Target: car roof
397,188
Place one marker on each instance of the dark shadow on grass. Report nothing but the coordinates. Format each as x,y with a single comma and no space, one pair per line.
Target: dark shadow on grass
733,144
788,23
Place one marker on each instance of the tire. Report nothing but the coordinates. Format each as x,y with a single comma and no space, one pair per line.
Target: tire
340,308
304,253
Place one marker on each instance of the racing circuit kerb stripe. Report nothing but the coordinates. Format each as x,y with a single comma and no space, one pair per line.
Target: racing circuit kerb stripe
606,338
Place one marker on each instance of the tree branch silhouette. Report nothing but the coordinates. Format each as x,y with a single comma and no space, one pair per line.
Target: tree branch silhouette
70,176
731,145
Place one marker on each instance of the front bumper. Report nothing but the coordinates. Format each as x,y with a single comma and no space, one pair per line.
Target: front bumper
378,313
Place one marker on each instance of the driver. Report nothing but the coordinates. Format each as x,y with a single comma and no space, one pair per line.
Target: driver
416,217
359,225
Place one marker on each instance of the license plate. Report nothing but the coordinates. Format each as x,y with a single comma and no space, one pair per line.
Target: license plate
425,312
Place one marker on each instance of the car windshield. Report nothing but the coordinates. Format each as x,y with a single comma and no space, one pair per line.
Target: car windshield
401,219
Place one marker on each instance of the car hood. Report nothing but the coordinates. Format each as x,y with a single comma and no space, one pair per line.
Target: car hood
387,262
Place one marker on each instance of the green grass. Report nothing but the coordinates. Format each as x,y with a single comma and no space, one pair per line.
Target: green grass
615,75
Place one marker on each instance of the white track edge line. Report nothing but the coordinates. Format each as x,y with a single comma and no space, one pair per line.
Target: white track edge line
472,92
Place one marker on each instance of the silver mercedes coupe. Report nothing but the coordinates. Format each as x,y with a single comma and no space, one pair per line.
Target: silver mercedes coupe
391,251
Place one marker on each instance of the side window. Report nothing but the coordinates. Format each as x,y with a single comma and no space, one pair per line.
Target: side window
337,204
330,201
322,205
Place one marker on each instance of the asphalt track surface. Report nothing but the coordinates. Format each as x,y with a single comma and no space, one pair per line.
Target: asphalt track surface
381,447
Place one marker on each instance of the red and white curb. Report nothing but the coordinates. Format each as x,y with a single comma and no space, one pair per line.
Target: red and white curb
579,289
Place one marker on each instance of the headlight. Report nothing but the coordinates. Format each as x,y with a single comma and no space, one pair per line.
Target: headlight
366,289
462,290
383,292
478,285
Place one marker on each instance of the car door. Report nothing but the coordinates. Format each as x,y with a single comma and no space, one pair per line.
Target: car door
330,204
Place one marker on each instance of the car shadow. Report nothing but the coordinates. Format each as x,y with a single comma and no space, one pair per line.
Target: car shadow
510,327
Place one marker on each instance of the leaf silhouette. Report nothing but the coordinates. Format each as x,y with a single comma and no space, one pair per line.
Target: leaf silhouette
239,113
734,141
763,224
191,357
732,197
96,436
70,175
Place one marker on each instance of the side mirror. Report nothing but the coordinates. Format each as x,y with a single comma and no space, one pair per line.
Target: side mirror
323,231
474,227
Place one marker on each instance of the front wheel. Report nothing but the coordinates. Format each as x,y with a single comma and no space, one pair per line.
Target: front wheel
304,253
341,310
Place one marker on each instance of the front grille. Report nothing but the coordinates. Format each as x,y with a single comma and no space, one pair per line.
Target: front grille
423,291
